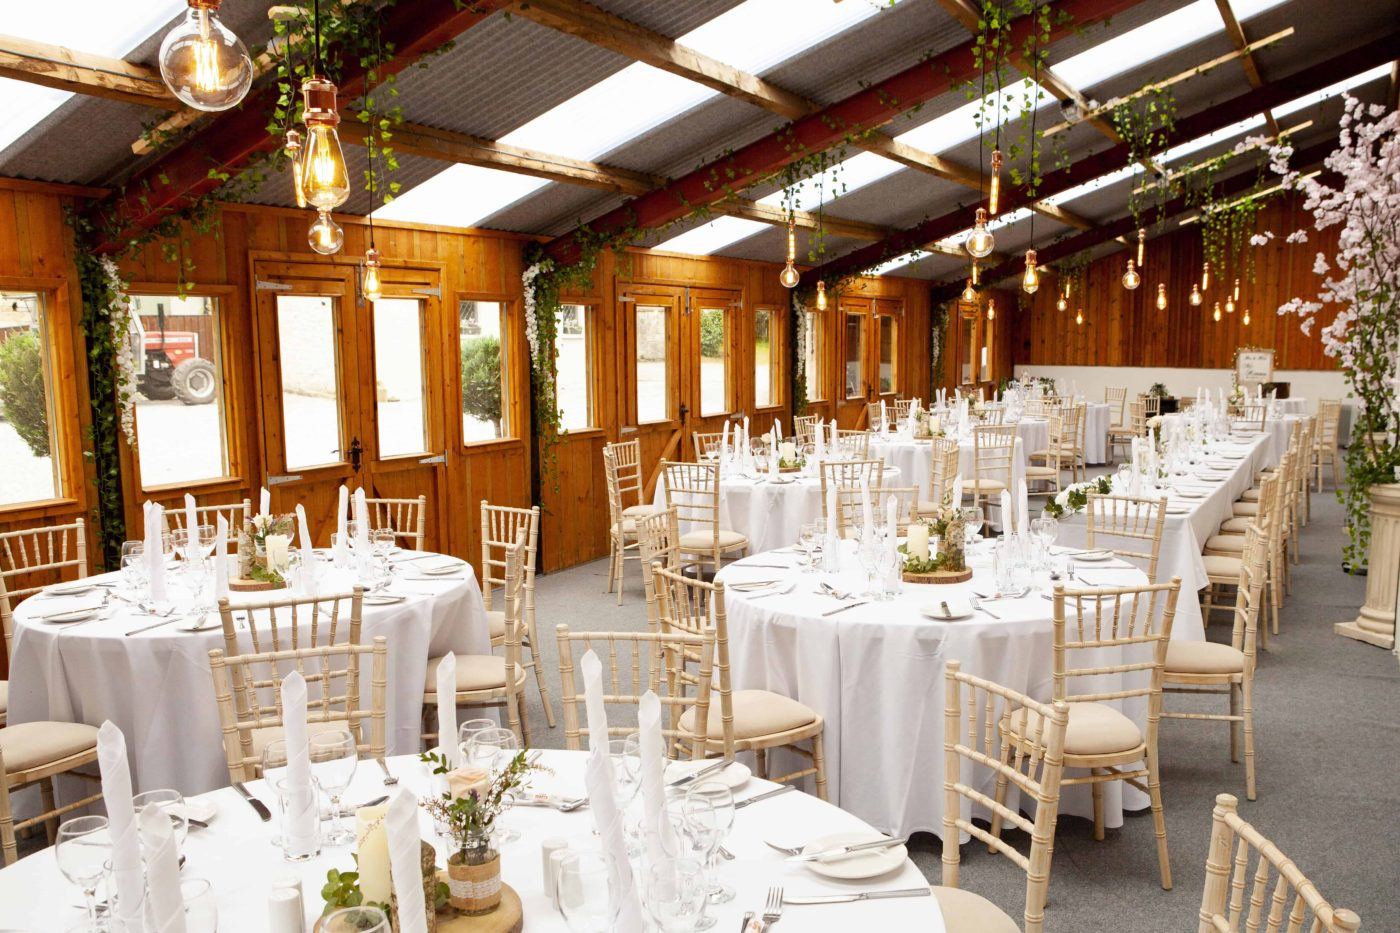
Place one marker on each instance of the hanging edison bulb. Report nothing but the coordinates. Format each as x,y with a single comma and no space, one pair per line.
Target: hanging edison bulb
1195,296
994,195
1205,276
1079,317
1216,315
821,295
203,62
1229,305
969,292
980,241
1142,246
1031,280
325,235
1237,290
1245,320
292,147
789,276
374,288
1131,279
323,174
1063,303
991,309
1161,296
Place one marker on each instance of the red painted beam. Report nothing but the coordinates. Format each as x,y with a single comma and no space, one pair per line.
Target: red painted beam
867,109
228,142
1218,117
1238,184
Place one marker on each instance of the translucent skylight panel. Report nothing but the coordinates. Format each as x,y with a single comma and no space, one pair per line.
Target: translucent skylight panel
1317,97
103,27
1210,139
1103,181
459,196
898,262
1002,220
1151,41
717,234
855,172
957,127
730,37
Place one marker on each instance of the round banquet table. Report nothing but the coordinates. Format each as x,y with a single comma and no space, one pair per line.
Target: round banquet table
157,688
237,856
1295,405
770,514
1097,417
874,672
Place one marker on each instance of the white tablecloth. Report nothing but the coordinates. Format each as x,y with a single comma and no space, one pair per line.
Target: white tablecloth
156,685
912,457
1097,417
1293,406
237,856
875,674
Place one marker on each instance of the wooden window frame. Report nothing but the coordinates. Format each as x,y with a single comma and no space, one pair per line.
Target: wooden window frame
675,308
515,364
777,329
592,308
891,309
859,308
819,340
729,356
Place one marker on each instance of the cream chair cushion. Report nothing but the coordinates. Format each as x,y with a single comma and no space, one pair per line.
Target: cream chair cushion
1203,657
1041,472
629,526
705,540
1237,525
638,511
4,697
29,745
756,713
495,624
965,912
1245,508
1094,729
1250,495
987,485
474,672
1218,565
1233,544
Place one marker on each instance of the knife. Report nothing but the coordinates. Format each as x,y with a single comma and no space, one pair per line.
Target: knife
763,796
833,612
258,806
843,850
859,896
703,772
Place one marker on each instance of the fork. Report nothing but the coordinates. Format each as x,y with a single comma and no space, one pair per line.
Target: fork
786,850
977,605
773,909
389,779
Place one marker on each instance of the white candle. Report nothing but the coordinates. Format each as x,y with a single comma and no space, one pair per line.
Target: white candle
916,541
789,451
276,548
264,502
372,849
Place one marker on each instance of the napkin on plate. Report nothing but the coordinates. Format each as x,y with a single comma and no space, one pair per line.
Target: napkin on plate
303,814
596,711
597,778
342,525
121,820
155,555
167,906
653,775
956,608
406,861
221,558
447,711
307,576
191,529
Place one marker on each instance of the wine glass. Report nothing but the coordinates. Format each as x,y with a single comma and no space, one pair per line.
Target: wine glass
868,553
492,750
626,755
1046,529
84,846
467,731
711,815
588,896
675,894
686,833
201,907
333,760
356,920
383,541
808,539
170,802
972,525
133,564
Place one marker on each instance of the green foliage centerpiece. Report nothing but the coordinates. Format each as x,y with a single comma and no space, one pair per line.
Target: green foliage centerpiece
264,553
946,561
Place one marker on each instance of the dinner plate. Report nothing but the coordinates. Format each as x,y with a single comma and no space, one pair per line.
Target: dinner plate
858,865
210,623
957,609
1210,477
1178,509
76,588
1097,554
1190,492
439,570
65,618
735,776
382,599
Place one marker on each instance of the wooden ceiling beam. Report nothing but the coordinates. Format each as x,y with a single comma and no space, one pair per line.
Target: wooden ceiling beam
868,109
1313,78
1240,41
64,69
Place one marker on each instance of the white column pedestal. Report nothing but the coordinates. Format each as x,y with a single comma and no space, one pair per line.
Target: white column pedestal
1375,624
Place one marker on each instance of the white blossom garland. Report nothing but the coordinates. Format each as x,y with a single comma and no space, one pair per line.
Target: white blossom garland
532,329
119,315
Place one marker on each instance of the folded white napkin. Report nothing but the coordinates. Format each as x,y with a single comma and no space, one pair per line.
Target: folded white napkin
307,577
724,447
1007,526
867,510
956,500
127,873
167,907
1023,514
892,525
155,556
447,710
831,545
303,813
264,502
342,525
602,804
653,775
221,558
597,712
191,529
361,529
405,861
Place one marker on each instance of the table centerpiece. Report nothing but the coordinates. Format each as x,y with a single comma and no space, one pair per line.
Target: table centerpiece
264,553
943,562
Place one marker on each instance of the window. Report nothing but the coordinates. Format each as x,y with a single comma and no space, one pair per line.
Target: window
310,375
765,359
888,344
855,355
180,423
653,376
28,436
400,408
573,364
485,392
714,370
813,352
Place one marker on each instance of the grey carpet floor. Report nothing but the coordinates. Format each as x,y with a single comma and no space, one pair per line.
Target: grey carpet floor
1328,753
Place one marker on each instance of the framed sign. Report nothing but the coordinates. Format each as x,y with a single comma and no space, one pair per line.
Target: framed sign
1253,366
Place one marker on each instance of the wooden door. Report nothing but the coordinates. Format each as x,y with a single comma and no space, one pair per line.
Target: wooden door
868,341
652,321
709,377
346,389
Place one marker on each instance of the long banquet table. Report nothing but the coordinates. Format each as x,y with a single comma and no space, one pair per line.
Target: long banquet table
874,672
157,688
913,457
237,856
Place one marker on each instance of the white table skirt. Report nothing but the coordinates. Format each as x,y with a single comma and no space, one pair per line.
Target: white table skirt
1293,406
875,675
913,457
156,686
236,855
1097,417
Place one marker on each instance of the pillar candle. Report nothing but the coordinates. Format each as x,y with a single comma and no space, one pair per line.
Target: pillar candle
916,541
372,850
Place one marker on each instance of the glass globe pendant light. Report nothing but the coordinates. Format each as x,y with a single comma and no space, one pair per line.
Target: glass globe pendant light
1237,290
821,295
1195,295
203,63
323,173
1131,279
980,241
969,292
789,276
1079,317
325,235
1030,281
1229,305
1062,304
1142,246
1161,296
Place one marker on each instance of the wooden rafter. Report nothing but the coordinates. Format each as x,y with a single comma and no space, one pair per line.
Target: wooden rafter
82,73
1240,41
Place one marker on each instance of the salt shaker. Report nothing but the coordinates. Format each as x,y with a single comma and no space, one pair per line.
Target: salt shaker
284,910
547,849
551,874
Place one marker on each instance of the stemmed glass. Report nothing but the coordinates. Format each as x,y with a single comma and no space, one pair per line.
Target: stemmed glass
712,815
1046,529
333,760
274,772
674,894
169,802
868,552
201,907
807,537
972,525
684,835
383,541
467,731
83,850
588,896
492,750
134,573
886,561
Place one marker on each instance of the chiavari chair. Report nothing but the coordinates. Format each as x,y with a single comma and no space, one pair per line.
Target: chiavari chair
1270,514
658,539
501,527
707,444
692,489
237,514
848,512
1045,466
293,622
944,466
902,407
406,518
624,482
1130,527
805,427
1116,397
993,452
977,717
855,444
1122,436
1329,421
846,477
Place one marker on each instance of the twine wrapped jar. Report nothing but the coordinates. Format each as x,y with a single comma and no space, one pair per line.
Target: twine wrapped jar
474,882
